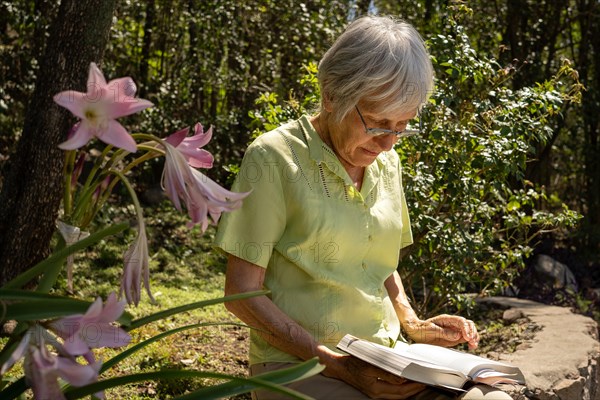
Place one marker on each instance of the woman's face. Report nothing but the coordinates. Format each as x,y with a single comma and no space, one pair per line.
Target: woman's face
354,146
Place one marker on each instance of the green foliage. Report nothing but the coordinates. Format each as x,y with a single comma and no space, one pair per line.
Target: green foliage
532,39
474,217
195,60
210,60
272,113
271,381
24,25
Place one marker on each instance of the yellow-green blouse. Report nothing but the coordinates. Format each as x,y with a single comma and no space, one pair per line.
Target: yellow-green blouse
327,247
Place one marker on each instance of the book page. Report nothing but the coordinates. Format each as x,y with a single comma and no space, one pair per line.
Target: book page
464,362
404,365
468,364
434,365
491,377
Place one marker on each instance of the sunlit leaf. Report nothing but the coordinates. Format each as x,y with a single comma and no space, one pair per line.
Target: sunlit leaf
270,381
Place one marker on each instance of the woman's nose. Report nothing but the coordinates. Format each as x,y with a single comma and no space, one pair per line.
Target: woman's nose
386,142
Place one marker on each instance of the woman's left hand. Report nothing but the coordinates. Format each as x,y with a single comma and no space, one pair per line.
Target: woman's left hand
443,330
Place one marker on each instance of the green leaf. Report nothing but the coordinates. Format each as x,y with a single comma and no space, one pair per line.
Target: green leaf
192,306
513,205
15,389
50,307
270,380
22,294
45,309
526,220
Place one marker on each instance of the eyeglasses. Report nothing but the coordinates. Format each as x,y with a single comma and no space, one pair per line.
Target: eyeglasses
399,134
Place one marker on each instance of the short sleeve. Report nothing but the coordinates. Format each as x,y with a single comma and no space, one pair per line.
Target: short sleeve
406,236
252,231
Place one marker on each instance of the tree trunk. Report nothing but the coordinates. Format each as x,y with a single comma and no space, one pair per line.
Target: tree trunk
32,187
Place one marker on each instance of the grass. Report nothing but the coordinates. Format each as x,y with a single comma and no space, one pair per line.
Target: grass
183,269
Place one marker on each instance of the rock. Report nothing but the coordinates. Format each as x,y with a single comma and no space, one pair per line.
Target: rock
523,346
561,363
591,387
569,389
511,315
511,291
556,273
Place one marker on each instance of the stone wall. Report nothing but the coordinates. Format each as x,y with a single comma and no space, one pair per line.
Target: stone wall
562,362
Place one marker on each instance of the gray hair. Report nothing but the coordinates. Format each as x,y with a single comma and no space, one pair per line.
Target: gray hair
379,60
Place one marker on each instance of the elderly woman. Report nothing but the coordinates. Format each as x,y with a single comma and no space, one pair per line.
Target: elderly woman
326,219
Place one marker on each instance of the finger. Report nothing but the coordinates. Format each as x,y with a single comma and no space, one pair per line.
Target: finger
469,330
472,336
473,343
391,378
474,332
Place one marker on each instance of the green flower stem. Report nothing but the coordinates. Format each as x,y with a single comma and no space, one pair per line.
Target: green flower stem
77,216
147,136
94,180
192,306
134,198
271,380
83,211
88,188
151,153
118,156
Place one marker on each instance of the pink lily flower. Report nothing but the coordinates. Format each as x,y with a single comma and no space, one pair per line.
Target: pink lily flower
219,200
43,369
92,329
201,195
136,267
99,107
190,147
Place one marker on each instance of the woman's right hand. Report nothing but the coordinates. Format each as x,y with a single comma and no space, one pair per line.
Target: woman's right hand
373,381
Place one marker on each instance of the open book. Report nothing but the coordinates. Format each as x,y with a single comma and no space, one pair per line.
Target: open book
432,365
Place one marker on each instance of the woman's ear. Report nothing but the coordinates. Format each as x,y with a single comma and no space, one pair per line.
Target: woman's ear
327,102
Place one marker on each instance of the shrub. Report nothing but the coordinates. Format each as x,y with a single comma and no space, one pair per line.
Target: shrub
474,217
